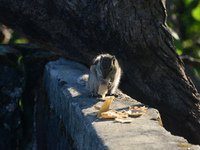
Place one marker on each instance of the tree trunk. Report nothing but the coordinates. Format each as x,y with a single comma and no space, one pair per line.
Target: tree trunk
134,31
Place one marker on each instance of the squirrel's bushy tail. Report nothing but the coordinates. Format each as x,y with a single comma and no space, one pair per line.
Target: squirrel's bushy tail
83,79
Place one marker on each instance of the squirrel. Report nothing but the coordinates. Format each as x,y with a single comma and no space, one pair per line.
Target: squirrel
105,70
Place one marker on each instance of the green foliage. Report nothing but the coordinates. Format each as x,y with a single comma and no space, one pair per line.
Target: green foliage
20,105
21,41
196,12
197,73
19,59
16,38
179,46
187,13
185,20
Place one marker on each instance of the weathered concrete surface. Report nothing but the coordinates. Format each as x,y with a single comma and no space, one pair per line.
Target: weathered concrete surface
66,100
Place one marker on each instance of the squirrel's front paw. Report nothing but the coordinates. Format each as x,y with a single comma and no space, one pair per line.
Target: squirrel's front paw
93,94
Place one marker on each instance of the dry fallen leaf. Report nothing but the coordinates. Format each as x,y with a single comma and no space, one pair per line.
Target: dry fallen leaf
101,98
97,107
186,145
109,114
113,114
123,120
130,113
137,108
105,98
136,111
106,105
103,89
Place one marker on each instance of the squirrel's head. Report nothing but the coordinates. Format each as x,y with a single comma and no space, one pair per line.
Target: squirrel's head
108,66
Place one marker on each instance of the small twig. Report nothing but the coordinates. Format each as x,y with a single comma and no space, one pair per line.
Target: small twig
188,60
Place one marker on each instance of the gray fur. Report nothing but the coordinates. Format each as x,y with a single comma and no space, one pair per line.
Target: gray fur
105,69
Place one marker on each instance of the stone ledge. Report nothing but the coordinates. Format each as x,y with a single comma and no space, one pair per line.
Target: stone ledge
69,101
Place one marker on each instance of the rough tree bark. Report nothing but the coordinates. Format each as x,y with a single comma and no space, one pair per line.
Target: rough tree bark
135,31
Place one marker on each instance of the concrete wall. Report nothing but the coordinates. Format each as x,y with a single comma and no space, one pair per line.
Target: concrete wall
62,122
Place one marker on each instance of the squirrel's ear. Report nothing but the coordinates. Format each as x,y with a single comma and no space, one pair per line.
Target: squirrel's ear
101,59
113,59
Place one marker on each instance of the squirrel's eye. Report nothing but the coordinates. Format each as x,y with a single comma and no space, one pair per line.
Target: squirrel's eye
110,69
